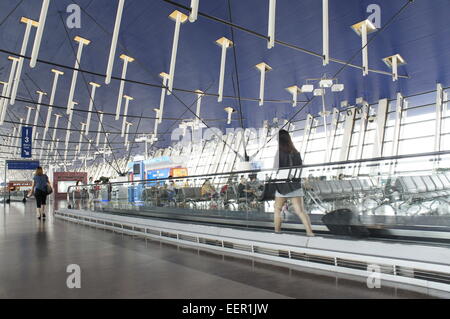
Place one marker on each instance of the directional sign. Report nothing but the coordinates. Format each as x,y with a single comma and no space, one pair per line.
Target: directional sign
22,165
27,132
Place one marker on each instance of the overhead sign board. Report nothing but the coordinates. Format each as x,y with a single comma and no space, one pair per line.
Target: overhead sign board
27,132
22,165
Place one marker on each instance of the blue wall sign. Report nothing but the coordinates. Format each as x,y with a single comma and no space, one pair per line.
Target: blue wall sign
27,133
22,165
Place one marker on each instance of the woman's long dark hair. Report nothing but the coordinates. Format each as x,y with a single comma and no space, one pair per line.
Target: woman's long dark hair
285,142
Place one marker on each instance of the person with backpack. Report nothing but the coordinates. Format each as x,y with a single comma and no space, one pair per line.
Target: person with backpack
41,188
288,156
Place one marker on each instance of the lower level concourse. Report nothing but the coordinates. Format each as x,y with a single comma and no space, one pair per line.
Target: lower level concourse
35,254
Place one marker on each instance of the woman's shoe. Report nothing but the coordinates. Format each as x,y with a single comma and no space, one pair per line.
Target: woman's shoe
43,215
310,235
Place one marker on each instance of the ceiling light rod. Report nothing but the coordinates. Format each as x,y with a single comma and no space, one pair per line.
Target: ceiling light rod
194,11
57,117
363,28
83,126
263,68
393,62
29,24
271,24
326,33
5,101
38,110
179,18
115,36
100,124
126,59
39,32
81,42
125,112
225,44
5,87
29,109
199,103
91,105
165,78
56,73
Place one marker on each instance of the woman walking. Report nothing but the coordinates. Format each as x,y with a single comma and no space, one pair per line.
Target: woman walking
288,156
40,187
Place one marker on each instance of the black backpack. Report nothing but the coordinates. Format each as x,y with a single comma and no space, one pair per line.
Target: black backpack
345,222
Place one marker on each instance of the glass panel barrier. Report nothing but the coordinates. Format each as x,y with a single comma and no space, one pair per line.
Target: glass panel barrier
403,196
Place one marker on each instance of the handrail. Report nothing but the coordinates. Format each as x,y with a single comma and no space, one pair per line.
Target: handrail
374,159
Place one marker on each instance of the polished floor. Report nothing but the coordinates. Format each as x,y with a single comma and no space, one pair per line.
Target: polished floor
34,256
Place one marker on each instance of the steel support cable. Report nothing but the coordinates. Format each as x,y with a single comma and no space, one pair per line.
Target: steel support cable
246,158
93,105
162,86
297,48
104,113
341,69
140,82
11,12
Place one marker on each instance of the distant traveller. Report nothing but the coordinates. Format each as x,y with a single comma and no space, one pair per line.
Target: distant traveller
41,188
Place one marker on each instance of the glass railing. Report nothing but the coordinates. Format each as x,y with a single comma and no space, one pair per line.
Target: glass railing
406,196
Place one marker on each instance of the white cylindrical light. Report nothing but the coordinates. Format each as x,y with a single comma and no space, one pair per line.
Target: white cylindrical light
165,77
363,28
38,110
29,23
19,134
112,52
57,116
125,113
29,109
199,104
179,18
194,11
91,105
8,88
69,125
326,33
126,59
263,68
225,44
83,125
271,24
56,73
39,32
99,128
81,43
5,87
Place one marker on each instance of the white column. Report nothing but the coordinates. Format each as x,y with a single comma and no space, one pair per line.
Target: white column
27,121
225,44
326,34
114,39
57,116
39,32
179,18
19,134
363,28
126,59
56,73
199,103
263,68
91,105
125,112
165,77
128,124
5,87
99,128
81,43
294,90
83,125
194,11
271,24
229,111
29,23
38,110
8,88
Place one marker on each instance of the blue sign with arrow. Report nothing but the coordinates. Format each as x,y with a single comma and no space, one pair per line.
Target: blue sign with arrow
27,133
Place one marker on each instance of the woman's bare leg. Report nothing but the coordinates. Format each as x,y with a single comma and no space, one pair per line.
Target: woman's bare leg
299,208
279,202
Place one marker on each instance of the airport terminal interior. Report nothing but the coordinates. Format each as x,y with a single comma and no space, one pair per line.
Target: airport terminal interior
226,149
